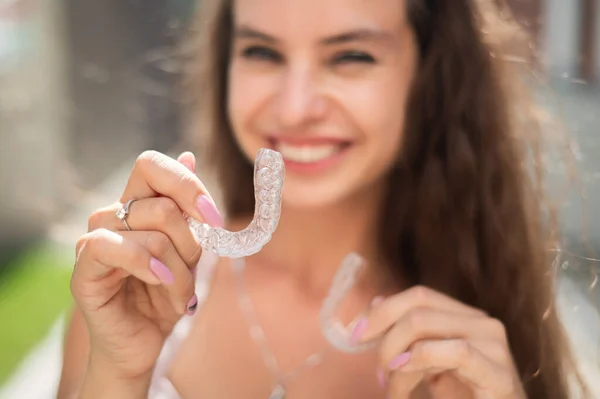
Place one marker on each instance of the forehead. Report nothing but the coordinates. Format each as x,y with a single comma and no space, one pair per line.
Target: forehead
314,19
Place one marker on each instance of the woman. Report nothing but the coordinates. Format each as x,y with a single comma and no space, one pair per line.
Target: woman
398,144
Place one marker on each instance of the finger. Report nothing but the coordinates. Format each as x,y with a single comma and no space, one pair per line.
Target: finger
101,251
403,384
154,214
156,174
171,269
426,323
462,358
385,315
188,160
105,257
493,350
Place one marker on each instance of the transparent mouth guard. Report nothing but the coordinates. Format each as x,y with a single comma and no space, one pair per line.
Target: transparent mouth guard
269,174
335,307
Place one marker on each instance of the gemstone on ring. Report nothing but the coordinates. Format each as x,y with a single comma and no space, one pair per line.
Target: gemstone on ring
121,213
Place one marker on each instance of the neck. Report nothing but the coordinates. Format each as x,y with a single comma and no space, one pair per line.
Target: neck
310,244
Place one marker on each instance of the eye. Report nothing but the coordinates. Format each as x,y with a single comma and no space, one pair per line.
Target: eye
354,57
260,53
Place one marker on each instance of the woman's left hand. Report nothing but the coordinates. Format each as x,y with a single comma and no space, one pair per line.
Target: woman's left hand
431,338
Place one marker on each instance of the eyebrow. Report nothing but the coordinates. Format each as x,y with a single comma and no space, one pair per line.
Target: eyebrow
363,34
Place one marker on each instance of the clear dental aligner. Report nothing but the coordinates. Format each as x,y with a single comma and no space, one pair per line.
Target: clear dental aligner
335,332
269,173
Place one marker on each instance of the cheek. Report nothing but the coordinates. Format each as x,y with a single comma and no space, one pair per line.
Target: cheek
378,109
247,93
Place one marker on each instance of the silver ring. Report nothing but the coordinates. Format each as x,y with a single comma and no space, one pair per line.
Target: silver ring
123,212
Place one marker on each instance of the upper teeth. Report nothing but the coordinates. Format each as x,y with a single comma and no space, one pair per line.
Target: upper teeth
307,154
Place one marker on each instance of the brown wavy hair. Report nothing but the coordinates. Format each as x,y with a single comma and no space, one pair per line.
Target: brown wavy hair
463,213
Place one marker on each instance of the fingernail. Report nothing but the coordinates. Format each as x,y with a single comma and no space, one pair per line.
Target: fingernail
359,330
192,305
399,360
161,271
381,377
209,211
377,301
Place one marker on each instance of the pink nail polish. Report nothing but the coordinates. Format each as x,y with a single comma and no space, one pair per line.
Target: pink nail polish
359,330
161,271
209,211
381,378
399,360
192,305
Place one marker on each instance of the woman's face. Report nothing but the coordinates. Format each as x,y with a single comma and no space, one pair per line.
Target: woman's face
324,82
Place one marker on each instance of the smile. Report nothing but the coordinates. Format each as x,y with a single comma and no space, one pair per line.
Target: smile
310,155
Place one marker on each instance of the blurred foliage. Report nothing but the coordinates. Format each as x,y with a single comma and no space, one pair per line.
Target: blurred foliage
33,293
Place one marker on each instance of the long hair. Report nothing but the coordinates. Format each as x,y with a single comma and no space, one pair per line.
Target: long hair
463,213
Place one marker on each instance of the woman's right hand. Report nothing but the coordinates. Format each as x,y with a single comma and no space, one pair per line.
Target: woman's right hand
133,286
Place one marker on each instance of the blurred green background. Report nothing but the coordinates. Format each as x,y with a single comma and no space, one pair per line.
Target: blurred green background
69,133
34,291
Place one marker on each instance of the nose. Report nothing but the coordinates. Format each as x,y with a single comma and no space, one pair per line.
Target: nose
299,101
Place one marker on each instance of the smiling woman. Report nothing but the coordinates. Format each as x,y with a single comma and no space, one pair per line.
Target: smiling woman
320,90
397,135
